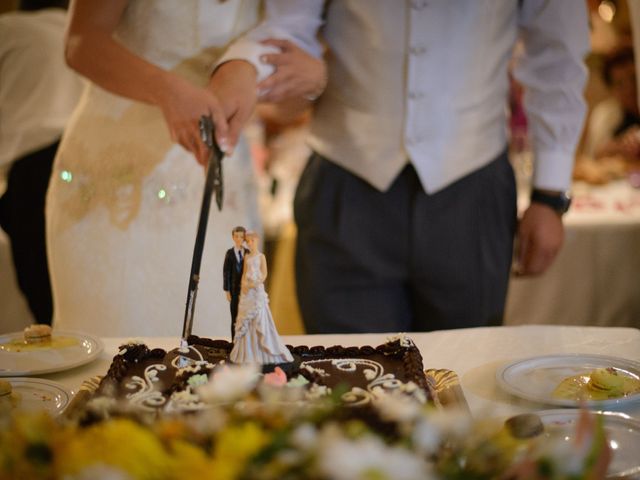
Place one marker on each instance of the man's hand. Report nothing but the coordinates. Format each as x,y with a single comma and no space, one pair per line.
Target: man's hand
228,295
234,83
540,236
298,74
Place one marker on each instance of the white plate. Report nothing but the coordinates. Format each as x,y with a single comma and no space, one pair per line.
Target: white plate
47,360
35,394
623,434
536,378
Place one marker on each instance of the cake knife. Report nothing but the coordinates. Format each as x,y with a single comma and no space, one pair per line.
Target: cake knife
213,183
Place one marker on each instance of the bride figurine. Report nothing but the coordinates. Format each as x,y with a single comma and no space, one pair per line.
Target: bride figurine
256,339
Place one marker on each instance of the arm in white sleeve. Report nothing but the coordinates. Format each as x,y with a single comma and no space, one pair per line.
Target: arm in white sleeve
295,20
555,35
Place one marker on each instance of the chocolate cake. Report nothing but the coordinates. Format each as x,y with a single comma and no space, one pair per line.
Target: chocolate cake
158,381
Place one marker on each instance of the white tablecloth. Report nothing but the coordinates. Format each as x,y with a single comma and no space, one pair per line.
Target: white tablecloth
595,280
474,354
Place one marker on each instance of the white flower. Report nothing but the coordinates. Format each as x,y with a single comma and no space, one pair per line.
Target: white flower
455,424
340,458
304,436
397,407
229,383
206,422
426,437
100,472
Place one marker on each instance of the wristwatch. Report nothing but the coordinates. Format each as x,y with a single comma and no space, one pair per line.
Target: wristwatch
559,201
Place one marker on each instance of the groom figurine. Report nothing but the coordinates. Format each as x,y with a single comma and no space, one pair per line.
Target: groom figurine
232,273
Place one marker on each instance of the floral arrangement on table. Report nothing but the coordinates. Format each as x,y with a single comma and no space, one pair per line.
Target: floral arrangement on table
274,431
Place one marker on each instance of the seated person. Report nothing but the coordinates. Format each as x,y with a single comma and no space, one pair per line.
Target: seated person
614,125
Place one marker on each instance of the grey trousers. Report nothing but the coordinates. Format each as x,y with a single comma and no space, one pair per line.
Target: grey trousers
403,260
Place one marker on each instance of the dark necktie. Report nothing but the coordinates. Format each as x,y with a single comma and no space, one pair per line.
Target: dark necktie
238,266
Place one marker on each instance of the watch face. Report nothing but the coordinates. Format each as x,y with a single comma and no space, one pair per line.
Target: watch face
559,202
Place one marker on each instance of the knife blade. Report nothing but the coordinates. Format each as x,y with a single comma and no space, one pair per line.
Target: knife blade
213,183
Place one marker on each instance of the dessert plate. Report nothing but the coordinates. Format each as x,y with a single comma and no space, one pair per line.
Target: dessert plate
35,394
77,349
536,378
623,435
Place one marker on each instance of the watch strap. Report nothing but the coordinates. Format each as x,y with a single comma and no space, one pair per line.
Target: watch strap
560,202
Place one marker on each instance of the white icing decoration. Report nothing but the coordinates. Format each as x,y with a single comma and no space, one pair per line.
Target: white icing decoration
317,391
182,361
195,367
122,351
379,382
318,371
146,397
403,339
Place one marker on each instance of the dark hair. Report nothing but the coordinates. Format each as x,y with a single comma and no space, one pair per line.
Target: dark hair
617,58
238,229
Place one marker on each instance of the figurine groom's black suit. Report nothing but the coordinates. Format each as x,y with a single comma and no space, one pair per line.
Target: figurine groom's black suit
232,276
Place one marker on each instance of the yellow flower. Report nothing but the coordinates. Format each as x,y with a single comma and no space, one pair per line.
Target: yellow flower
171,430
190,461
119,443
234,446
26,446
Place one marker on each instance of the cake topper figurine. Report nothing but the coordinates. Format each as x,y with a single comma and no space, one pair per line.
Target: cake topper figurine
256,338
213,183
232,272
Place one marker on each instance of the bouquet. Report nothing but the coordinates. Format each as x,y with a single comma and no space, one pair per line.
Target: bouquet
282,430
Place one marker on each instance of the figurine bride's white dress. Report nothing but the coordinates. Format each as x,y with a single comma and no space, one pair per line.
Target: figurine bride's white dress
123,201
256,339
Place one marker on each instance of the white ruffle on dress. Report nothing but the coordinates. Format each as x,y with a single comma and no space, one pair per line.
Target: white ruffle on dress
123,200
256,340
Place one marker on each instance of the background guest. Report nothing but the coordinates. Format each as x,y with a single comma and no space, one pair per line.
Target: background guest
614,123
37,95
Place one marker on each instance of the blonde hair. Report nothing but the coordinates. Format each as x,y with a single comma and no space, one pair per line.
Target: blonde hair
252,234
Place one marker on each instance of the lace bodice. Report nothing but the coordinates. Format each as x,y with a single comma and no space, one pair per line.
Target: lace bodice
162,31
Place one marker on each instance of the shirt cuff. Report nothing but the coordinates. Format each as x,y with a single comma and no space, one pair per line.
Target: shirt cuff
249,51
553,170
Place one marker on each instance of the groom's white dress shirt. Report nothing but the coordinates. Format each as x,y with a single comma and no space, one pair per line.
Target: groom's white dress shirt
426,81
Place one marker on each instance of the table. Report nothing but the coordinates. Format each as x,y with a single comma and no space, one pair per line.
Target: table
595,279
474,354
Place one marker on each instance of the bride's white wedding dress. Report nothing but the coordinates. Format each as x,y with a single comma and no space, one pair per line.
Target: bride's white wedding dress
123,201
256,339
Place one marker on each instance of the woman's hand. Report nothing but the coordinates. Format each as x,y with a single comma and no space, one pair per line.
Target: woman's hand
182,105
297,74
122,72
234,83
